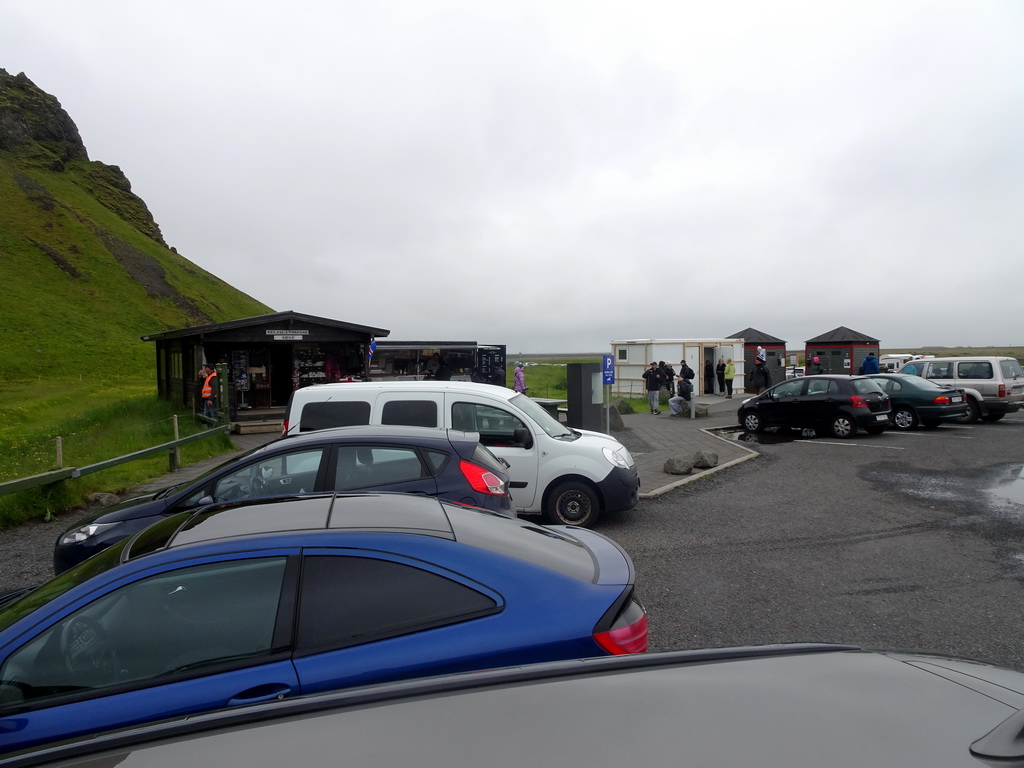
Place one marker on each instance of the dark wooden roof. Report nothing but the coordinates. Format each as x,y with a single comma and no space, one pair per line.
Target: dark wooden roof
754,336
842,335
276,318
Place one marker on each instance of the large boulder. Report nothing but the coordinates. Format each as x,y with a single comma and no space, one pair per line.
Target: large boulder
615,420
705,459
678,465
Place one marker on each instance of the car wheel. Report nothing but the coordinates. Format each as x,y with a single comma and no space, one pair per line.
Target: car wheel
843,426
573,503
992,416
752,422
973,413
904,418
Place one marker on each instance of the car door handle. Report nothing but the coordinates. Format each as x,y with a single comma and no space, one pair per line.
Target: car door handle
267,692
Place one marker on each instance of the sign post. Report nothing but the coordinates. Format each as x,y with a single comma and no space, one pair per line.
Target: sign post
608,372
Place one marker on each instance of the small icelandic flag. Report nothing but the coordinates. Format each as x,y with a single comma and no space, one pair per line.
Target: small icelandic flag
373,346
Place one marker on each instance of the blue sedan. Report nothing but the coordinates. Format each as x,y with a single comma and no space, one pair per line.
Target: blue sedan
263,600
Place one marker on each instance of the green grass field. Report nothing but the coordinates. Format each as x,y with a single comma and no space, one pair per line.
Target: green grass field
95,422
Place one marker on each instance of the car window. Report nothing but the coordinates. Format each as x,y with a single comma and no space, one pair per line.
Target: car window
940,370
866,386
340,413
435,460
352,600
974,370
293,472
788,388
150,629
365,466
888,385
817,386
410,413
911,369
1011,369
495,426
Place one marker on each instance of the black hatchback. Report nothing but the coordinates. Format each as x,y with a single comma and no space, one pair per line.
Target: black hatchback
448,464
837,405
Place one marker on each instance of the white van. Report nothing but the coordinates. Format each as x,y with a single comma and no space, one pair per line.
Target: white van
569,475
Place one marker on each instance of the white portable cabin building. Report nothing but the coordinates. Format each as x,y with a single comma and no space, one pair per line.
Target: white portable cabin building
634,356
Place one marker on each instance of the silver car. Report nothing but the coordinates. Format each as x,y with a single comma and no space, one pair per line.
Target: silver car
994,385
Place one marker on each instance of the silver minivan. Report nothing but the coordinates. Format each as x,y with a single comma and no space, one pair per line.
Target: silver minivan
994,385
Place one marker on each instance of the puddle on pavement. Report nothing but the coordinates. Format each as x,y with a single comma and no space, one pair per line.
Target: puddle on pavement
1010,488
768,437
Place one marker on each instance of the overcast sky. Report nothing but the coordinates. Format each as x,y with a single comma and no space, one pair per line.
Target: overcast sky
553,175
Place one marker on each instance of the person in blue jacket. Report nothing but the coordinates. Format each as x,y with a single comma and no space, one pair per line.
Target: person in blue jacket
870,364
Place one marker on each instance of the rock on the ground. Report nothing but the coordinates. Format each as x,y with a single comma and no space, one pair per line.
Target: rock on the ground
678,465
705,459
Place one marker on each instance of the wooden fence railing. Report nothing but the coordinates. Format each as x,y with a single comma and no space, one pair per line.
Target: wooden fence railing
67,473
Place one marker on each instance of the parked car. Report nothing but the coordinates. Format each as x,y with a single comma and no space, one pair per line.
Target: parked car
916,401
840,405
570,475
994,385
449,464
267,599
789,706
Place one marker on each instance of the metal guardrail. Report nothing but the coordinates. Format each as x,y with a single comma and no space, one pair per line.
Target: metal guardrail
68,473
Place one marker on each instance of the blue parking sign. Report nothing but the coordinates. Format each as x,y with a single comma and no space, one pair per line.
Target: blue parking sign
608,369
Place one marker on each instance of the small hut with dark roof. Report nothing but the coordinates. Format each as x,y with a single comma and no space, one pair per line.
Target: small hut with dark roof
841,350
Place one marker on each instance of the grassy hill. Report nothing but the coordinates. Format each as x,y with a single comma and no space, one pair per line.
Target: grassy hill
84,268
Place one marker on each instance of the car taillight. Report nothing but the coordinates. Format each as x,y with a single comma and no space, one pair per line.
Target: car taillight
941,400
1002,390
628,634
481,479
858,402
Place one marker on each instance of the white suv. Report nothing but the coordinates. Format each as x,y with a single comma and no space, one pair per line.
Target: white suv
994,385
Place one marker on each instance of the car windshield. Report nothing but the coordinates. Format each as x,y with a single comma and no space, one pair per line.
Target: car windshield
1011,369
544,419
866,387
65,582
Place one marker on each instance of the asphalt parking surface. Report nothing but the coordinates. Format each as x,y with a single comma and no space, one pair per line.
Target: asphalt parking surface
908,541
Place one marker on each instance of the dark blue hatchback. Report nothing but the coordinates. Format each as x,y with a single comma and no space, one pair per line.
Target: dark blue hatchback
268,599
447,464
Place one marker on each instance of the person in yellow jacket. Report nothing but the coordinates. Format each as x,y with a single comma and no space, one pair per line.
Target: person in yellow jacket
730,374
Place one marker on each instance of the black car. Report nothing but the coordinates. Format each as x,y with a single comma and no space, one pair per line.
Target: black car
916,401
836,405
789,706
444,463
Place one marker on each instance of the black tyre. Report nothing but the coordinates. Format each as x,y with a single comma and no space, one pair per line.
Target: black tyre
904,418
843,427
752,422
992,416
573,503
973,413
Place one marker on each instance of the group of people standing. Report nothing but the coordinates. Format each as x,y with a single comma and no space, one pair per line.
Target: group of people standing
661,376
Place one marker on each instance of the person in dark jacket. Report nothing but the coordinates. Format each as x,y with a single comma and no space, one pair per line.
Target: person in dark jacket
709,378
652,377
815,368
870,364
720,374
760,379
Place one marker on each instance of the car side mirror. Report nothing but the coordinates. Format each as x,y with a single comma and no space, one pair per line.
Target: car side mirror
522,437
207,499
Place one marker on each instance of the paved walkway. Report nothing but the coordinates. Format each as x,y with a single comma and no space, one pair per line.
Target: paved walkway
651,439
654,439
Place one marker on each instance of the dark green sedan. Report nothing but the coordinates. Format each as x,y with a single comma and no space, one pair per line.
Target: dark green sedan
920,402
